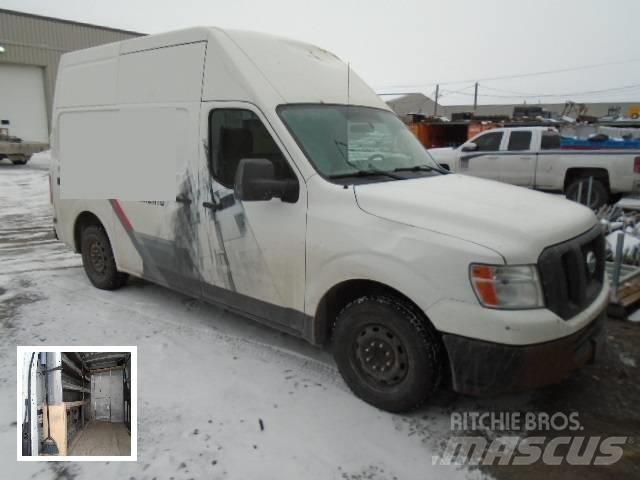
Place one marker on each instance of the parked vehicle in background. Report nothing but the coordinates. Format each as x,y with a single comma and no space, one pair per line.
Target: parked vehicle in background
16,150
305,203
532,157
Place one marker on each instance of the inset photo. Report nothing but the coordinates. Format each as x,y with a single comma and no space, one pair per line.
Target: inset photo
77,403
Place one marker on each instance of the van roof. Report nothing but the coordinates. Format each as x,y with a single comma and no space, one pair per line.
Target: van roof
249,66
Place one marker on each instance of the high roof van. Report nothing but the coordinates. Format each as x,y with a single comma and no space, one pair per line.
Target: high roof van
262,174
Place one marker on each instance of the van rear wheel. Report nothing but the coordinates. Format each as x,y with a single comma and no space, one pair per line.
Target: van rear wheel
387,353
98,260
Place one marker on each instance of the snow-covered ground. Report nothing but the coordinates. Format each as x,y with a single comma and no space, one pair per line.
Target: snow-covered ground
206,377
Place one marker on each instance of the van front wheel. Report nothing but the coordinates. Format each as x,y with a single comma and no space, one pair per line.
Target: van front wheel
98,260
387,353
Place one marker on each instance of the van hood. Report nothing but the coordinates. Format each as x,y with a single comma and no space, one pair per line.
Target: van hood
513,221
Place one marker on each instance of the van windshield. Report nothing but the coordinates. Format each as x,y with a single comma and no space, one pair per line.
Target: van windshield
344,141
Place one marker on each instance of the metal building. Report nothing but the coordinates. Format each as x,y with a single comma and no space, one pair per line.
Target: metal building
30,49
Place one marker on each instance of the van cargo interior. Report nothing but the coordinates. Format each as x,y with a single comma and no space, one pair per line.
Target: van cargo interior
77,403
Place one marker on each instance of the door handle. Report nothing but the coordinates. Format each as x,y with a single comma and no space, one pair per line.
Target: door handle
210,205
184,200
491,157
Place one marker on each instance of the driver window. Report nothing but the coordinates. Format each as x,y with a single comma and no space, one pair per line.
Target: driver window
489,142
235,134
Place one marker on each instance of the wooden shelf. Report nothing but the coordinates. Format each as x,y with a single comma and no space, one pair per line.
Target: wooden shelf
80,403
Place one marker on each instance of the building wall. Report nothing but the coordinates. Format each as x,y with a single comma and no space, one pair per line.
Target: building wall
40,41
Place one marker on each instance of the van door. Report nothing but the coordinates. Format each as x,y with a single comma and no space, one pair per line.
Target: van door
101,396
517,163
253,251
156,239
484,161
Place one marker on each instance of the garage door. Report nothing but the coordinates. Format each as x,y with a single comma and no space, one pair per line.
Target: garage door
22,101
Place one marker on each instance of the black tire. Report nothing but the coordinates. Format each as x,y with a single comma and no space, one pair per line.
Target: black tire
615,198
18,159
98,261
599,192
406,364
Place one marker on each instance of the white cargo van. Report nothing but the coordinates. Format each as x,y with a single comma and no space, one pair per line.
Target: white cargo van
301,201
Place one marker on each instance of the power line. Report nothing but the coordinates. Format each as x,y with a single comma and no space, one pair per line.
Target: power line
453,92
519,75
569,94
608,91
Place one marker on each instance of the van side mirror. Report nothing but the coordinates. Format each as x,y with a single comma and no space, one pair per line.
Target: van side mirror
256,181
469,147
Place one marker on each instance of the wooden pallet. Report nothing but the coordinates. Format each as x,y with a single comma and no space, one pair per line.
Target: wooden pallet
627,301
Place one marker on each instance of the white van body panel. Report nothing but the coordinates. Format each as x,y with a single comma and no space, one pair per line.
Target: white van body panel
88,77
398,258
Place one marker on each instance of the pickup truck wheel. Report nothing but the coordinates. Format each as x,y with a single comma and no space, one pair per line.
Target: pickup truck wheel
387,353
18,159
98,261
599,192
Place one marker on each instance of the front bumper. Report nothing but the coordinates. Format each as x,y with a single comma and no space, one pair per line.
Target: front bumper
479,367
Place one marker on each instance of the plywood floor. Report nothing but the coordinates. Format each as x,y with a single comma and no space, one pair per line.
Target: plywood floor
102,438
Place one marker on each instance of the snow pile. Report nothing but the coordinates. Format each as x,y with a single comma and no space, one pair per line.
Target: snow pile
219,396
629,203
631,242
620,222
40,160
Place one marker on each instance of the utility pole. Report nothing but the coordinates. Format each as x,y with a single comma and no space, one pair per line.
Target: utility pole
435,105
475,97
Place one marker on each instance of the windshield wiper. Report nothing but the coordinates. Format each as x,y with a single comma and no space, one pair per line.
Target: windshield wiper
371,171
421,168
368,173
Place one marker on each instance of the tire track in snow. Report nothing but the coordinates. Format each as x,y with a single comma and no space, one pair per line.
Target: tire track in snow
239,344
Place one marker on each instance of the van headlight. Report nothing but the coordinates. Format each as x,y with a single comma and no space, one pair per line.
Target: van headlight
507,286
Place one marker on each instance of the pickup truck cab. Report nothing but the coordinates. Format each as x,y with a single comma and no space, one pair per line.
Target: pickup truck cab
532,157
303,202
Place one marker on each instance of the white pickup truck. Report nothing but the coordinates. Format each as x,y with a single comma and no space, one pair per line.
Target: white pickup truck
531,157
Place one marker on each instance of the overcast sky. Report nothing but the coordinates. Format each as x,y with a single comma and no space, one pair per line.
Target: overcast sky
409,45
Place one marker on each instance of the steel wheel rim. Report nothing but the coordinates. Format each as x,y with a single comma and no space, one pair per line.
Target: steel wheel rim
98,257
380,356
594,200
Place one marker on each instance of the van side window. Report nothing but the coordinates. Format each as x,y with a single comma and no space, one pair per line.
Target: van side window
550,141
235,134
519,140
489,142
